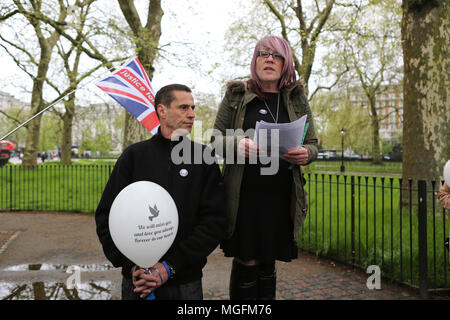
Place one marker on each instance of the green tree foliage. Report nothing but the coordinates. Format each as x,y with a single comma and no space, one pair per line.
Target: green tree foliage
87,140
102,141
205,114
101,134
371,51
333,112
51,132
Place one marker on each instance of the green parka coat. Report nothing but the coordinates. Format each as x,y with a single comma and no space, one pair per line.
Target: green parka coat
231,115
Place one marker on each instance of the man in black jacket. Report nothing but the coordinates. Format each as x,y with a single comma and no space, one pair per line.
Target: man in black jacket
196,188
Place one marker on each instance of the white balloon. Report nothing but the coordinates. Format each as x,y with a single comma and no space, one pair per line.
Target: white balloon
143,222
447,172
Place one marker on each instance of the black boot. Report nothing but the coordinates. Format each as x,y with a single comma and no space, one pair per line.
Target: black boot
267,281
243,282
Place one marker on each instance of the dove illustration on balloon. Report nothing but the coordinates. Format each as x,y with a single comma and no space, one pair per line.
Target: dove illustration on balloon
154,212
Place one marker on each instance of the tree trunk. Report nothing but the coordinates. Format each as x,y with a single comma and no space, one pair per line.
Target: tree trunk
34,127
426,122
68,116
30,152
146,41
375,132
308,57
133,131
37,97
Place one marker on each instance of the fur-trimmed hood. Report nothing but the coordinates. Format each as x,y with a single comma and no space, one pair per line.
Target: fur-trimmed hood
242,86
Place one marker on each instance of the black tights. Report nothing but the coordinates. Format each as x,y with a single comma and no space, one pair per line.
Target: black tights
253,282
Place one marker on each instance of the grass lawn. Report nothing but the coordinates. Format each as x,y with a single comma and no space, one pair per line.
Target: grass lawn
355,166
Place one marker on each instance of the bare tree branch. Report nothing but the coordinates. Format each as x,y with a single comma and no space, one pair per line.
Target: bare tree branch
8,15
322,20
131,16
59,27
29,55
338,78
17,121
17,62
283,28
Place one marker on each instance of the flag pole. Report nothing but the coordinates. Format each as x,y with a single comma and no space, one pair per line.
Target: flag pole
46,108
36,115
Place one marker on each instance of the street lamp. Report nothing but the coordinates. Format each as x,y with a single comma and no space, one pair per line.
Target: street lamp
342,157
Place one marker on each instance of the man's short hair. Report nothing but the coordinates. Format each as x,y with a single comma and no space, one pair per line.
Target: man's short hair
165,94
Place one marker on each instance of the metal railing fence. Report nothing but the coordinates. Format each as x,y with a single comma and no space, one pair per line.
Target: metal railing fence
359,220
52,187
385,221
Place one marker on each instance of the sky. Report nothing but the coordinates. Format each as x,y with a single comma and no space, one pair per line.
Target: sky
206,29
203,23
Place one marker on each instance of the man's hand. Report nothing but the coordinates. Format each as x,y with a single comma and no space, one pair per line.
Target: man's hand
145,283
297,156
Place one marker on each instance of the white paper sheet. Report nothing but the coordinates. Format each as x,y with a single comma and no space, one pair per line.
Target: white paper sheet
290,135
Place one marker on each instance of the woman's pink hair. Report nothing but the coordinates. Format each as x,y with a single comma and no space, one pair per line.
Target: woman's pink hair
276,44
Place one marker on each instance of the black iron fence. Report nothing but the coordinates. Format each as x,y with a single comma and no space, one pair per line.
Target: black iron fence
360,220
396,225
53,187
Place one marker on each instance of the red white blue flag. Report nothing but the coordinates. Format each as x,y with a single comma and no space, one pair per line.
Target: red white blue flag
131,88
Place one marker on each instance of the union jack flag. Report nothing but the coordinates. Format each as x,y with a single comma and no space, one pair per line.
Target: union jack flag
132,89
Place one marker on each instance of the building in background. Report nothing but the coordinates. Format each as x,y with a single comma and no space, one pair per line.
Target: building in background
88,117
7,100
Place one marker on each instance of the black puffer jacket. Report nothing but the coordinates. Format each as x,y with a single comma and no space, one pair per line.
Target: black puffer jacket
199,197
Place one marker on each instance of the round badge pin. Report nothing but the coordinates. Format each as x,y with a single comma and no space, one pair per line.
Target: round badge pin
262,111
183,172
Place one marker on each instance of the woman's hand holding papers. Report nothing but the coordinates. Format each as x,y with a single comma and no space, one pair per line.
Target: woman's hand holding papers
297,156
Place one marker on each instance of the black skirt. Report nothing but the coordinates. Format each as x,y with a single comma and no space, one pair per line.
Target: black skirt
264,227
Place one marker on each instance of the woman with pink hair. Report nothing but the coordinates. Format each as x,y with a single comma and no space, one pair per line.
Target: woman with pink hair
265,212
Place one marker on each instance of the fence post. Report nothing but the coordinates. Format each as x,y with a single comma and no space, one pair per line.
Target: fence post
423,257
10,189
353,217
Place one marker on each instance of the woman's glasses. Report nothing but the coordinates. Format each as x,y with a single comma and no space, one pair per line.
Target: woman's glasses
265,55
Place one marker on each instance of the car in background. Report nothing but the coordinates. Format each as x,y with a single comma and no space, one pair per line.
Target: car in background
6,150
330,154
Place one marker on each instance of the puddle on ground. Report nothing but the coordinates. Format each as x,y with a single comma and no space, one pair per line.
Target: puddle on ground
62,267
96,290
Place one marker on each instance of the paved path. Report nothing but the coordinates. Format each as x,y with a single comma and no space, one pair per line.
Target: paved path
308,278
35,258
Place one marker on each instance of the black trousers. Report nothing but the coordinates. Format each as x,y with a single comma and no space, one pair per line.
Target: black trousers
188,291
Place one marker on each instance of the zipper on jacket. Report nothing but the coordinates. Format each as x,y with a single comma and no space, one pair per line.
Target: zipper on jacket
169,167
